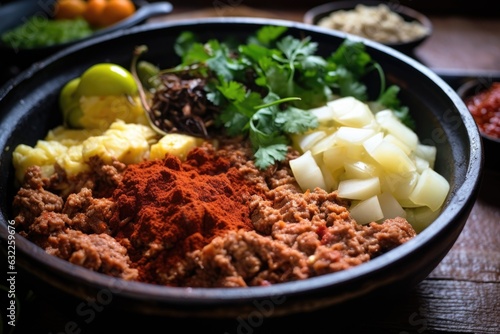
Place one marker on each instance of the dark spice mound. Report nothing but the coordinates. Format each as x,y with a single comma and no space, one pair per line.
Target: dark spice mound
180,105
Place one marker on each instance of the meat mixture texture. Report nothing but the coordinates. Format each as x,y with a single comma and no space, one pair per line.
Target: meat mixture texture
290,235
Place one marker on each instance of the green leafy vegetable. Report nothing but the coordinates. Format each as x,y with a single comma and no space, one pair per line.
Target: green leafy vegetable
264,87
268,34
39,31
390,100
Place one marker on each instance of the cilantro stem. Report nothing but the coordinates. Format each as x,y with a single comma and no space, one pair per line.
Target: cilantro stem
270,104
382,78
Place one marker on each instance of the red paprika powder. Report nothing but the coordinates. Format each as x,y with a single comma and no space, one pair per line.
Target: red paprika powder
167,208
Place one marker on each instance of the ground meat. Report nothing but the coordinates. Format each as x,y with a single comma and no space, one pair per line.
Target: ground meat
73,226
97,252
244,258
240,157
49,223
293,235
32,199
101,179
384,237
105,177
300,235
89,214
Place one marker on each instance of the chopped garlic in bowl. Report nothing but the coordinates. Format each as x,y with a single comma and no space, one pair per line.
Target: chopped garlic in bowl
378,23
391,24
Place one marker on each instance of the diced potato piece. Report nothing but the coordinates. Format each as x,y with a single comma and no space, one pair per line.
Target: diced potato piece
353,136
390,206
324,144
371,143
362,155
331,179
304,142
359,189
334,158
373,125
324,114
174,143
427,152
400,185
407,204
421,164
421,217
392,139
356,152
431,190
394,126
367,211
307,172
349,111
392,158
360,170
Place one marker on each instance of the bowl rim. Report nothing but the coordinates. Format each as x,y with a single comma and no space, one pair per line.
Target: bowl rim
201,296
311,15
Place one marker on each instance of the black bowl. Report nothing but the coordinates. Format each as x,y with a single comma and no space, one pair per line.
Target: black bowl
16,13
491,144
314,15
27,107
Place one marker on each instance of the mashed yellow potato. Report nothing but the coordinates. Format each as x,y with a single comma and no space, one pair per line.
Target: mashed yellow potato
71,149
126,142
99,112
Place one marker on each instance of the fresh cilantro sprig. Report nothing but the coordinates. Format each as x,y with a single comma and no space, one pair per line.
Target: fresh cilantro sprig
389,99
262,119
264,87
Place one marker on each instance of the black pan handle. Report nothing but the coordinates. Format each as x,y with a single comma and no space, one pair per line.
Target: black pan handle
143,13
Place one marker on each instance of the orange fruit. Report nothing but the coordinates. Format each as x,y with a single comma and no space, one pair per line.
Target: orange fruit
94,11
69,9
115,11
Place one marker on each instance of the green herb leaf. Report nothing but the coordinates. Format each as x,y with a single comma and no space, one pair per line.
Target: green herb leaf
257,85
349,84
294,120
268,34
232,90
184,43
353,57
266,156
390,100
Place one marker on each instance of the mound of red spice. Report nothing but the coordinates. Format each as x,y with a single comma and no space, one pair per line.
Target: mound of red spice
167,208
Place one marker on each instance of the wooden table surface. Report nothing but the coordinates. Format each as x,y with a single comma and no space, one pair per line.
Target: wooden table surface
460,296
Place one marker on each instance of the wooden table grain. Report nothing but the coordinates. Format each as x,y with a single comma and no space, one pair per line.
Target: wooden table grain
462,294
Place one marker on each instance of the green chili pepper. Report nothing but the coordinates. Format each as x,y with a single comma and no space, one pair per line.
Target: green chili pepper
102,79
69,104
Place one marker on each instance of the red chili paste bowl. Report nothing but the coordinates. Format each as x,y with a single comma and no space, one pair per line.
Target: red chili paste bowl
27,106
491,141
